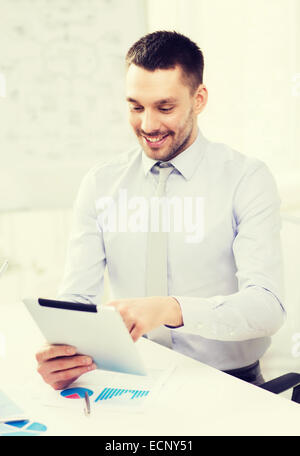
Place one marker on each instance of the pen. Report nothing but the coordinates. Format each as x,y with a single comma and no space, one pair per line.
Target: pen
87,408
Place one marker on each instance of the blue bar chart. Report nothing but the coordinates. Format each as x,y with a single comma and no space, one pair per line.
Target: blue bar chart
110,393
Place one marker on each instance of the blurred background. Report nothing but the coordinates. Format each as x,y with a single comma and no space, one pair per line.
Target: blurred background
62,109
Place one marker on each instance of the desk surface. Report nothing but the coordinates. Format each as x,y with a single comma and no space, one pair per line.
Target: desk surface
198,399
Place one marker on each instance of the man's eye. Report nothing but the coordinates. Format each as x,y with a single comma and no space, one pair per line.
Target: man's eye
166,109
136,108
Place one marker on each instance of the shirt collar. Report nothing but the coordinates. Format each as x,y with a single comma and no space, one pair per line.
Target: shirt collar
186,162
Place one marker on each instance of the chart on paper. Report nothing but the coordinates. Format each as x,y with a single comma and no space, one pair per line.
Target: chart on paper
76,393
119,393
109,395
109,390
21,428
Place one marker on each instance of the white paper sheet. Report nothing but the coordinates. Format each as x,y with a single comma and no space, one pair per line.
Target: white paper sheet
110,391
9,410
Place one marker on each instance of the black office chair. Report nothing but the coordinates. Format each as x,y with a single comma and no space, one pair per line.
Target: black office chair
283,383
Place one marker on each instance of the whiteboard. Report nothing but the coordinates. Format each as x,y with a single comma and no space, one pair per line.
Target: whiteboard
64,108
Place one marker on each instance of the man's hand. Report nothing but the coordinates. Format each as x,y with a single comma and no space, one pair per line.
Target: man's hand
141,315
59,365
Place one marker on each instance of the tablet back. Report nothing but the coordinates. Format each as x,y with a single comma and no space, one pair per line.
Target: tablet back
101,334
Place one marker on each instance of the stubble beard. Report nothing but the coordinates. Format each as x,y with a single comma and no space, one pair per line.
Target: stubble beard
179,146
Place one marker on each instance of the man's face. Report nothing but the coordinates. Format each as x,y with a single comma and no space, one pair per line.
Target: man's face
162,111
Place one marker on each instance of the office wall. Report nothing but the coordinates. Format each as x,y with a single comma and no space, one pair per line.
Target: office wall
252,72
64,109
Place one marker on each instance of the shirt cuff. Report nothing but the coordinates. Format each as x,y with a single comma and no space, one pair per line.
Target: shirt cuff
200,317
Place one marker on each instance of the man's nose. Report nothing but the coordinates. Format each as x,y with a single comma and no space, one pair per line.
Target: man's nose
150,123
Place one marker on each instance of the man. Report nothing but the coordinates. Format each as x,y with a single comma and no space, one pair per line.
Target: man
216,296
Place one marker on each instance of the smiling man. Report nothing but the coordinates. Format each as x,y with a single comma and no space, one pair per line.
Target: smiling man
165,93
164,126
217,300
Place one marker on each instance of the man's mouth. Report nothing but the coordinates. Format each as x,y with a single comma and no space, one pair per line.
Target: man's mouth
155,141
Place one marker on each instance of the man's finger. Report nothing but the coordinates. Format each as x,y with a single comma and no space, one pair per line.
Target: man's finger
127,316
63,363
54,351
69,375
136,332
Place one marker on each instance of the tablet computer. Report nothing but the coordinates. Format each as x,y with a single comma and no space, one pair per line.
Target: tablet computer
96,331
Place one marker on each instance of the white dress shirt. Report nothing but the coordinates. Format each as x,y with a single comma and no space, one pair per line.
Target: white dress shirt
227,276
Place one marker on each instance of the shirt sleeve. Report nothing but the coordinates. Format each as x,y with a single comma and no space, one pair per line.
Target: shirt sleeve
256,309
85,263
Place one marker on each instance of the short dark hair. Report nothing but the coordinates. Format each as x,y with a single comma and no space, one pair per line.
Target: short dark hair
164,50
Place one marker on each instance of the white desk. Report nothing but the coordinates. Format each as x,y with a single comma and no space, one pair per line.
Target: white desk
199,400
